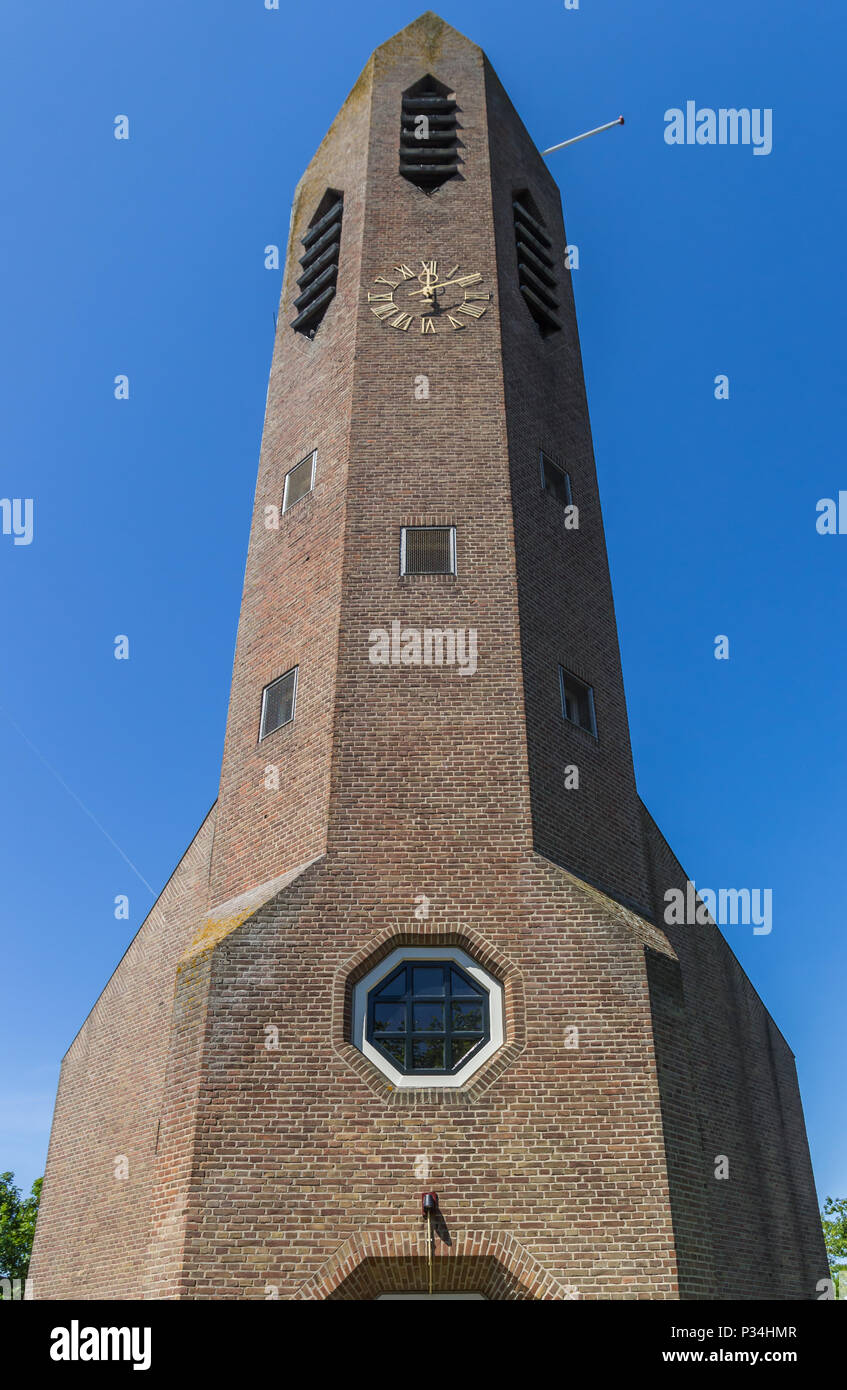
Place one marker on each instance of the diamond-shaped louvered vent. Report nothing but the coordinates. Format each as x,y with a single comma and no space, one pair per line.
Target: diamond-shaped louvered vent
428,550
429,142
535,264
319,264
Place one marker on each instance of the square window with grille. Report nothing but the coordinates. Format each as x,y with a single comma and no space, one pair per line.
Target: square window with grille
299,481
278,703
556,481
577,701
428,550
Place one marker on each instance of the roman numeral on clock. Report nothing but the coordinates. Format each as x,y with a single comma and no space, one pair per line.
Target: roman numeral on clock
457,323
404,272
469,279
475,310
402,320
383,311
427,326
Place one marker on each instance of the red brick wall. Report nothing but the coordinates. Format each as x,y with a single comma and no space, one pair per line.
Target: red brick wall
429,764
567,613
93,1228
759,1229
300,1149
292,588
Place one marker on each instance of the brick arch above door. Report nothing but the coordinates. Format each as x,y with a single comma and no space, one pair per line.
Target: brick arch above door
491,1263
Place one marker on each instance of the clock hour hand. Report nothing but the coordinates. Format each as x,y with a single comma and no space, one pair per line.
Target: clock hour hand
430,289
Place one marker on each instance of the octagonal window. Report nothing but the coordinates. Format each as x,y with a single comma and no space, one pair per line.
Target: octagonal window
428,1016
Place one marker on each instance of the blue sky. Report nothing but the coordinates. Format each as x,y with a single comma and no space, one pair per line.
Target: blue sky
145,257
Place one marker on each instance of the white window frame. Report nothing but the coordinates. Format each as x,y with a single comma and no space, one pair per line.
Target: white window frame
286,505
417,574
281,677
428,1082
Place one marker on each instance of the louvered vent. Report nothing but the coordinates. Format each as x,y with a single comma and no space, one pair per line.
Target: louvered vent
429,141
536,275
319,264
428,550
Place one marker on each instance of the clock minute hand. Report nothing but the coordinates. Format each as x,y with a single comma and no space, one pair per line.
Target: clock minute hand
440,286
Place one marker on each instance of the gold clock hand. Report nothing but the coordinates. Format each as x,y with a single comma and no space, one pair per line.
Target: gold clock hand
440,286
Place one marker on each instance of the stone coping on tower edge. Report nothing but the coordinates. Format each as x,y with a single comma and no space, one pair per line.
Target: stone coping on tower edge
649,934
226,916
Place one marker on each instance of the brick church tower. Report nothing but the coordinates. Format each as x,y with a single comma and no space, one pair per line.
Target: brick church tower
418,945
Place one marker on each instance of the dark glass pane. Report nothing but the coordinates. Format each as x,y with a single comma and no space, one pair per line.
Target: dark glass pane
462,1046
577,702
396,1049
389,1018
278,708
298,483
428,1054
556,481
394,986
467,1017
576,705
460,984
428,1018
428,980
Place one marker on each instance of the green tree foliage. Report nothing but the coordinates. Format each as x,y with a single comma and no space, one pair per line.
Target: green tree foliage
17,1226
834,1221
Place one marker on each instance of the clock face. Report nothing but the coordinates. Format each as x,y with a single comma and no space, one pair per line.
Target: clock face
429,300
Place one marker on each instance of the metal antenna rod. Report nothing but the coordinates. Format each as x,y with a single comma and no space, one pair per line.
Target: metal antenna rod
574,138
